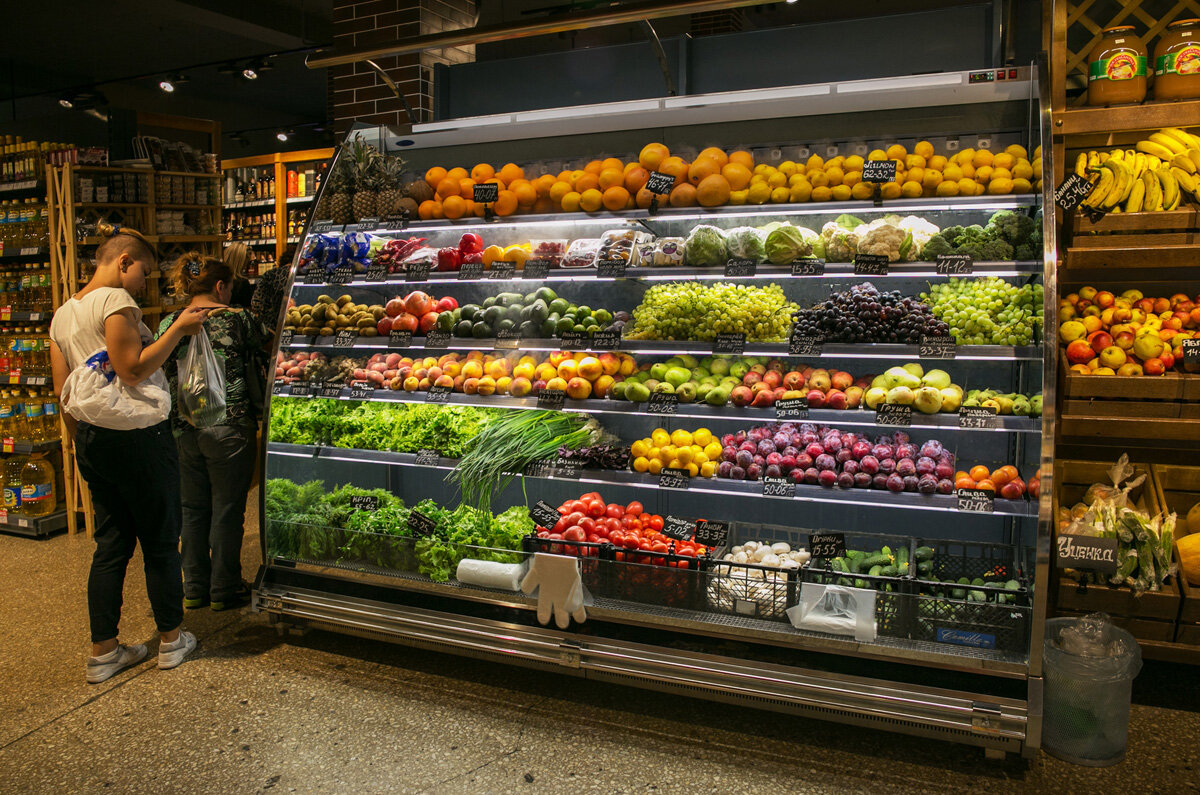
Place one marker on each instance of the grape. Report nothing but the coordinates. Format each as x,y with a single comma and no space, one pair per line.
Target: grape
692,311
864,314
988,311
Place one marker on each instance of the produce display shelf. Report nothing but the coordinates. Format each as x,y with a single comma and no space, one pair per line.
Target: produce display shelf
1102,427
247,205
742,488
1155,257
23,186
1127,118
843,417
28,251
39,527
839,270
993,353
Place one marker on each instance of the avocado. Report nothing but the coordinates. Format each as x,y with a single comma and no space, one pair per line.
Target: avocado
463,329
481,330
493,314
469,311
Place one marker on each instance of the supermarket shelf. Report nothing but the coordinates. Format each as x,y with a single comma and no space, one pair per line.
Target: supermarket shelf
742,488
189,238
300,199
23,316
256,241
201,174
1150,257
39,527
247,205
1103,427
1002,353
24,186
28,251
26,447
754,416
1127,118
113,169
186,206
92,205
24,380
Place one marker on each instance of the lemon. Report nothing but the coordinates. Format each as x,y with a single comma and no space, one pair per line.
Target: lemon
852,163
777,180
681,438
842,193
852,178
801,192
591,200
969,187
835,175
759,193
877,154
998,173
660,437
701,436
760,168
655,466
639,448
964,156
738,196
983,174
713,450
952,173
924,149
896,152
890,190
819,179
641,464
948,188
822,194
684,456
1022,170
911,190
931,178
781,195
788,168
1000,187
814,161
1022,186
708,469
862,190
570,202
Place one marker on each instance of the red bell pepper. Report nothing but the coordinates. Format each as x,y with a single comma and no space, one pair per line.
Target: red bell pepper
471,243
448,259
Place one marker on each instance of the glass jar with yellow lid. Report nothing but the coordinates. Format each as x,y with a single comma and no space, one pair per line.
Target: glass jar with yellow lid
1177,61
1117,68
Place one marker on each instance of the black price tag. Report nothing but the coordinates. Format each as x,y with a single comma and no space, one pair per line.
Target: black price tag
486,193
361,393
573,340
606,340
936,348
977,417
469,271
342,274
551,399
740,268
438,394
345,337
566,468
421,525
502,270
1086,552
827,545
544,515
427,457
539,468
279,388
536,269
302,390
364,502
315,274
879,171
674,479
1071,191
778,487
662,403
804,345
436,338
508,340
894,415
870,264
808,267
954,264
711,533
611,268
285,337
399,339
660,183
369,222
377,272
331,392
320,227
976,500
1191,350
791,408
416,271
678,528
733,343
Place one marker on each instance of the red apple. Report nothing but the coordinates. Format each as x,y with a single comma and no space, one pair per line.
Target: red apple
836,399
417,303
1099,340
1080,352
394,307
1153,366
816,399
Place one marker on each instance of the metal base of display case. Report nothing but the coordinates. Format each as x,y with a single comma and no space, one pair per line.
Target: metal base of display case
999,725
40,527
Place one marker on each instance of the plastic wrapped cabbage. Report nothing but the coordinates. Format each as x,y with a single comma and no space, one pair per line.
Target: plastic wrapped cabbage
706,246
841,238
745,242
922,232
786,243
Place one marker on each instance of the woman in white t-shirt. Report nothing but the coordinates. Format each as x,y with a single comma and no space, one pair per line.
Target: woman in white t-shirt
133,474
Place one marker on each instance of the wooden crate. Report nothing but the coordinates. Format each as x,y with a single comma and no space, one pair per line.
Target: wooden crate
1140,628
1178,489
1129,407
1132,240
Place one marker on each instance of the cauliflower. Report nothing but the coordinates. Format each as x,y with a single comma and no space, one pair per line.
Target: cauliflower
882,236
922,232
841,244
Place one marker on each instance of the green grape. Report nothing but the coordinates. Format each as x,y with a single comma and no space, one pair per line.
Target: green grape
987,311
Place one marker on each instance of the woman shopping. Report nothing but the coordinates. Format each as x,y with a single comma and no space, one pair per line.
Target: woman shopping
216,453
123,445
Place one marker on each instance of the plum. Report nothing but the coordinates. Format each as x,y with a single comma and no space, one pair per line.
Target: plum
901,437
754,472
825,462
926,466
895,483
911,482
885,439
887,465
772,471
906,467
791,450
737,473
808,437
943,471
728,440
749,447
850,466
761,460
724,469
844,456
906,451
804,460
928,484
815,449
880,481
850,439
766,447
869,464
774,459
827,478
811,475
845,480
781,440
932,449
744,459
860,450
797,475
945,486
740,436
862,480
882,451
787,463
832,444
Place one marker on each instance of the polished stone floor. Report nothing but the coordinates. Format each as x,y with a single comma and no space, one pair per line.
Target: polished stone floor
256,712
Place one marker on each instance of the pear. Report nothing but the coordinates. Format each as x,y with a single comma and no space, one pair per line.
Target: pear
951,399
915,368
1035,406
898,376
938,379
900,395
928,400
718,396
880,381
875,396
686,392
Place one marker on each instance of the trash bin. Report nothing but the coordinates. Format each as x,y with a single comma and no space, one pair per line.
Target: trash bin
1089,665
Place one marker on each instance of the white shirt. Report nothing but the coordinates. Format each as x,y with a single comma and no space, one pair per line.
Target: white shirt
78,325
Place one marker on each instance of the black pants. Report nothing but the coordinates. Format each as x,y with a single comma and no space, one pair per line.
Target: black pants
134,479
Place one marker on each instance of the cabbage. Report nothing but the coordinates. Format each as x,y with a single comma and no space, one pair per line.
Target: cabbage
706,246
847,221
788,244
746,242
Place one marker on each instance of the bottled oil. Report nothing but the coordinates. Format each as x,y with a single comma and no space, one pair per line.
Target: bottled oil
35,416
50,417
38,494
12,482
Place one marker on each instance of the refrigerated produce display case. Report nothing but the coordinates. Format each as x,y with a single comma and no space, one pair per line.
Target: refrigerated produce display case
790,449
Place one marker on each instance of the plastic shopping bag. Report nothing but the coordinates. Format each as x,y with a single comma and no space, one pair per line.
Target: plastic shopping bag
201,384
94,394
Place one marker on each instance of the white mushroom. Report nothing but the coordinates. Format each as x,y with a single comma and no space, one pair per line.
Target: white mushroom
781,547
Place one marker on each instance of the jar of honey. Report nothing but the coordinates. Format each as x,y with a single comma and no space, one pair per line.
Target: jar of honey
1117,68
1177,61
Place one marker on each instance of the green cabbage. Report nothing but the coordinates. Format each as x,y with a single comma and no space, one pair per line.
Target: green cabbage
787,244
706,246
746,242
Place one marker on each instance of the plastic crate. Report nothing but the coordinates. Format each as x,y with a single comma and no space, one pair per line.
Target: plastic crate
892,608
750,589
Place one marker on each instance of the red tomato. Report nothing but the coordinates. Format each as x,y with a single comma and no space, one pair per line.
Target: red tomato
588,524
574,517
659,546
595,539
655,521
611,524
595,509
686,550
577,505
562,524
645,544
543,534
635,525
634,508
574,533
616,538
591,495
614,510
631,542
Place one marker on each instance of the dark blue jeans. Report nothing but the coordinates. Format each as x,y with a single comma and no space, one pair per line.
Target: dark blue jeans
134,480
216,466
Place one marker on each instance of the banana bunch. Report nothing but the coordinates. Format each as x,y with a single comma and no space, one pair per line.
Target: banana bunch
1155,175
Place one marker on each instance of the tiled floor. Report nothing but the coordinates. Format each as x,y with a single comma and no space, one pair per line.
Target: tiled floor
326,713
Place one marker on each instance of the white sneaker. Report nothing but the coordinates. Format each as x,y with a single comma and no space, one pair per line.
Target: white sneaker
172,654
109,665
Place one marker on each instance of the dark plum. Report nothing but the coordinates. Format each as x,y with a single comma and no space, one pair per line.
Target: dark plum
781,440
906,467
797,475
753,472
811,475
728,440
906,451
927,484
862,480
772,471
814,449
787,463
724,470
882,451
885,439
887,465
932,449
766,447
744,459
926,466
845,481
761,460
895,483
861,450
791,450
880,481
945,486
774,459
825,462
901,437
729,454
804,461
749,447
944,471
869,464
832,443
850,466
911,482
738,473
843,456
827,478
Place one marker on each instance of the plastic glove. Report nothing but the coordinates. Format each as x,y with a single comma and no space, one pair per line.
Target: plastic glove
559,586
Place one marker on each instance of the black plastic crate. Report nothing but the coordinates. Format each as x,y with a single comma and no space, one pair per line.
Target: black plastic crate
962,622
893,608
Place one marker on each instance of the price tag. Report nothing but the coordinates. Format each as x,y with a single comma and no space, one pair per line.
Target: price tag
740,268
1191,351
778,487
870,265
808,267
486,193
551,399
662,403
1071,191
438,394
302,390
879,171
539,468
791,408
502,270
606,340
421,525
369,222
893,415
660,183
977,417
573,340
678,528
566,468
804,345
427,457
674,479
361,393
936,348
827,545
285,337
320,227
416,271
9,443
436,338
470,271
536,269
377,272
364,502
399,339
955,264
733,343
710,533
508,340
345,337
331,392
278,388
544,515
342,274
314,275
977,501
1086,552
611,268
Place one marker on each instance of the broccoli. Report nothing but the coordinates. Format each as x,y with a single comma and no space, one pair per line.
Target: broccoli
1012,227
1026,252
951,234
969,234
987,250
936,245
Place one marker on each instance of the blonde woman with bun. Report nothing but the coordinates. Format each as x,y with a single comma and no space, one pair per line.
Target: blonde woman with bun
237,259
133,474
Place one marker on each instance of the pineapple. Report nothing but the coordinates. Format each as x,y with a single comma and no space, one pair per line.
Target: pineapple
335,197
388,193
365,168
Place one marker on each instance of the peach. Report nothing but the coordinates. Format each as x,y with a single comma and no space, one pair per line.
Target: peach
590,368
610,363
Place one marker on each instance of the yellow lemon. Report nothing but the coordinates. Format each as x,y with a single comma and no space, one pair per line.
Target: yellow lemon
822,194
877,154
852,178
738,196
982,157
819,179
1003,160
842,193
814,161
759,193
1000,187
952,173
862,190
983,173
639,448
835,175
777,180
1017,151
702,436
997,173
924,149
890,190
781,195
660,437
969,187
641,464
947,188
788,168
914,161
911,190
937,161
681,438
1022,186
801,192
591,200
896,152
964,156
853,163
570,202
1022,170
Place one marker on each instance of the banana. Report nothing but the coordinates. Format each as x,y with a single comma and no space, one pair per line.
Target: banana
1139,164
1170,188
1102,189
1130,154
1153,162
1170,143
1093,160
1116,154
1124,184
1136,195
1184,162
1153,198
1102,157
1186,181
1194,156
1188,140
1156,149
1081,163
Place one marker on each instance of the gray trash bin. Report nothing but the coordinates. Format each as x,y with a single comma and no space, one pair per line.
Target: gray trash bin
1089,664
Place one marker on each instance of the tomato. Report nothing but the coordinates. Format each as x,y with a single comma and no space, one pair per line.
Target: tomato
686,551
614,510
591,495
587,523
616,538
577,505
543,534
574,517
631,542
634,508
562,524
595,509
659,546
655,521
635,525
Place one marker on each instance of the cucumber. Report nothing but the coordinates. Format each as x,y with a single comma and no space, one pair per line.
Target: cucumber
889,571
875,560
902,555
886,551
854,567
924,553
875,570
978,581
855,553
925,567
860,584
839,564
902,569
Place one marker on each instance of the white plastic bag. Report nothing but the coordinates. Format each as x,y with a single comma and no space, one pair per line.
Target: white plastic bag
835,609
94,394
201,389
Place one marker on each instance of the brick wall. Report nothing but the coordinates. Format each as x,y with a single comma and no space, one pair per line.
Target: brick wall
356,92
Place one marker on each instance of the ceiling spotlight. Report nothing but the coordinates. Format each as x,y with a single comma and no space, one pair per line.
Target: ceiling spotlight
282,135
249,73
83,100
172,82
166,85
66,102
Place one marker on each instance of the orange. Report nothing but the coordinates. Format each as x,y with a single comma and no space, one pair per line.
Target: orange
570,202
630,165
558,190
652,156
676,167
543,184
430,210
611,177
477,210
506,203
448,187
545,204
588,181
591,200
510,172
979,472
703,167
742,158
567,176
612,162
635,178
615,198
454,207
435,175
713,191
524,191
924,149
736,174
644,198
482,172
716,153
457,173
683,195
594,167
466,188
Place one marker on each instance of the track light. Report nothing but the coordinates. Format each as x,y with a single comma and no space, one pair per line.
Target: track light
282,135
172,82
67,102
249,73
83,100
